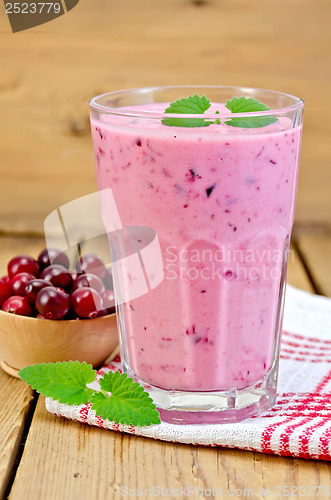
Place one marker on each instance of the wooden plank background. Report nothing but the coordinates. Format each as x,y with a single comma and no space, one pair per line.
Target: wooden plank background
49,73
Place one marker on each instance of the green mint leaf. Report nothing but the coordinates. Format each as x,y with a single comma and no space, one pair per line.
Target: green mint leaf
217,121
185,122
248,105
193,104
188,105
64,382
245,105
128,403
255,122
67,382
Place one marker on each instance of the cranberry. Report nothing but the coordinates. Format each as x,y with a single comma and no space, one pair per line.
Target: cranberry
33,288
22,264
59,276
91,263
89,280
19,282
17,305
86,302
70,315
52,303
51,256
108,280
109,301
74,275
5,290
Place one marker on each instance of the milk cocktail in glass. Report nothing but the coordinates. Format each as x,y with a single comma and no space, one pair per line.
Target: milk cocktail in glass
221,199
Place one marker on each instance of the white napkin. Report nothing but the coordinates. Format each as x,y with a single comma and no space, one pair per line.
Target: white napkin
300,422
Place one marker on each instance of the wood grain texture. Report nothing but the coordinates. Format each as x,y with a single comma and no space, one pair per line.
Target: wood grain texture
68,460
50,72
26,341
15,398
15,395
296,276
316,250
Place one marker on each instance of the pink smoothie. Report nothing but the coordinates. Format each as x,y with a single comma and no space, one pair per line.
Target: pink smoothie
221,200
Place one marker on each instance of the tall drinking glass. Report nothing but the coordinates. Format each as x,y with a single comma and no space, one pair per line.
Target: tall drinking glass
220,199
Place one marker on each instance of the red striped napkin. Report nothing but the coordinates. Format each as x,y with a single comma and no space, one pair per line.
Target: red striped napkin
298,425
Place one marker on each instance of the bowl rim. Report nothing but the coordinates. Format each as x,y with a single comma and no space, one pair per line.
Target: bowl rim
66,321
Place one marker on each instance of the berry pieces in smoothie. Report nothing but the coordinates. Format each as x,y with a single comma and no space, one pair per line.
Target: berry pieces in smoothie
192,175
210,190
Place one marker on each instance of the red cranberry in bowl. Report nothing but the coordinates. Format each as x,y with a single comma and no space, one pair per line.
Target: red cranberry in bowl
58,275
86,302
52,303
19,282
108,280
5,290
33,288
109,301
51,256
91,263
74,275
89,280
17,305
22,264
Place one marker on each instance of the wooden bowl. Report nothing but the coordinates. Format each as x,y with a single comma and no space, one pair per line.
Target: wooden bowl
25,341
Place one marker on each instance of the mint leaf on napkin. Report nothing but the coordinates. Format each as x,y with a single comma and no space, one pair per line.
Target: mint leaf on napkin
128,402
248,105
65,382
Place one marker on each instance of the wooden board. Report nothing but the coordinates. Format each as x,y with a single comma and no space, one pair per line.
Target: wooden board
50,72
15,395
296,276
15,399
64,459
316,251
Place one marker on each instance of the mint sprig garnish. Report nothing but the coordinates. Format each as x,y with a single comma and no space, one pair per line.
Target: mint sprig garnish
65,382
248,105
120,399
195,105
129,402
198,105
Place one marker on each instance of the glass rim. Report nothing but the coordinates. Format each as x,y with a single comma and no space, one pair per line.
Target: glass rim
297,105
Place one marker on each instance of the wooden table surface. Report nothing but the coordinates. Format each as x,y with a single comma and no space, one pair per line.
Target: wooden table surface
44,456
47,76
